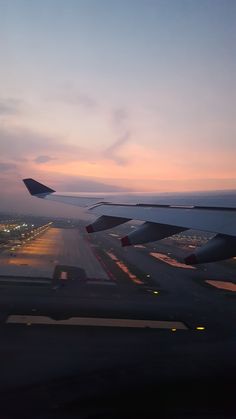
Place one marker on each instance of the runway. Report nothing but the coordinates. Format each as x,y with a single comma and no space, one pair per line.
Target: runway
40,256
132,281
133,325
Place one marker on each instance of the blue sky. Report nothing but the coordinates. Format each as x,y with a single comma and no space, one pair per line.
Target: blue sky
133,94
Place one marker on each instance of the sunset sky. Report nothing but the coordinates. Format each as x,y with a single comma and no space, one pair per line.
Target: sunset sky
105,95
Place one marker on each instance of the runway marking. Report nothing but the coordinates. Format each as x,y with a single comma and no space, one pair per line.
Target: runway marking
109,274
63,275
170,261
226,285
96,321
124,268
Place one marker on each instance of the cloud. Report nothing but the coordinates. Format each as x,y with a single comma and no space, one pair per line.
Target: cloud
9,106
83,184
26,146
119,116
111,151
6,167
18,144
72,96
43,159
120,123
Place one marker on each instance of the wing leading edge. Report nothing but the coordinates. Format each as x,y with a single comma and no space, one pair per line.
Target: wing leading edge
79,200
160,221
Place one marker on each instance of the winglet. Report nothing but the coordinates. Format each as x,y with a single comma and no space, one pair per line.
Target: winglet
36,188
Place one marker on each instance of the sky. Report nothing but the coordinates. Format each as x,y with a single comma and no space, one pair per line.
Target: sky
107,95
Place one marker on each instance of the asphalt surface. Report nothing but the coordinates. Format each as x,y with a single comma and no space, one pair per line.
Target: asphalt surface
183,291
111,332
39,256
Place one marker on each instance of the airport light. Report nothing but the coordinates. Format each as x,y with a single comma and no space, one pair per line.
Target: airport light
200,328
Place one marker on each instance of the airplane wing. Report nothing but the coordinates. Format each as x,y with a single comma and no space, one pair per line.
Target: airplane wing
160,221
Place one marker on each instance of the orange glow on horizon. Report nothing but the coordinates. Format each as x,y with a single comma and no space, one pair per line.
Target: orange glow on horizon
146,171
